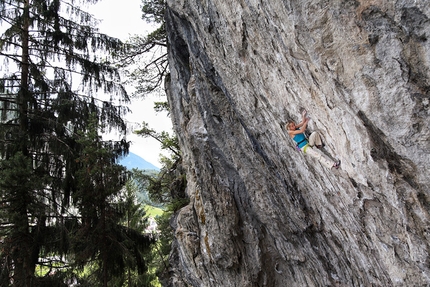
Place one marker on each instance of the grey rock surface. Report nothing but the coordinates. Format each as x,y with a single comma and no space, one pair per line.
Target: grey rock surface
262,213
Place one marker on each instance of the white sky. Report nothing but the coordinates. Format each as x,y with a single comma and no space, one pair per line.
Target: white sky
121,19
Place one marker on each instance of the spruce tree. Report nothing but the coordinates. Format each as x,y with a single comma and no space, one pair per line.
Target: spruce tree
109,236
55,63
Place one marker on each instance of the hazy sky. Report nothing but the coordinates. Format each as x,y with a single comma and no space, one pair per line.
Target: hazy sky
120,19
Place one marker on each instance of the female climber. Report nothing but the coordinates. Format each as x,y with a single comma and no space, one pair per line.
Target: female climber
297,133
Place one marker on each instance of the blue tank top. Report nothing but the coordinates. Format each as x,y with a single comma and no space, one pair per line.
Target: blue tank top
300,139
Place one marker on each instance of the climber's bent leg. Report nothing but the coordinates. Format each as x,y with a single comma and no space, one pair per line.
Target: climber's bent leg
315,139
322,158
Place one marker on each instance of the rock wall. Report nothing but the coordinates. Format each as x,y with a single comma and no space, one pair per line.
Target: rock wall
261,212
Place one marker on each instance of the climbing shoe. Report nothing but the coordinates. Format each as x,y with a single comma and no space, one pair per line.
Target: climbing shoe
320,146
336,164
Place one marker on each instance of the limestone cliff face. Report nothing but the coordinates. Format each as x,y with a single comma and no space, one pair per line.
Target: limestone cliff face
262,213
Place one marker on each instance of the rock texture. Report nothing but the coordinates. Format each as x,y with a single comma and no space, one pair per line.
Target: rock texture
262,213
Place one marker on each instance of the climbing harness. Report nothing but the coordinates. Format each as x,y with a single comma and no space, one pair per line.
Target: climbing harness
304,140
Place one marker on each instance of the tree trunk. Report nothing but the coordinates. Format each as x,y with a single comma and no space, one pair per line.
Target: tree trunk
23,94
21,238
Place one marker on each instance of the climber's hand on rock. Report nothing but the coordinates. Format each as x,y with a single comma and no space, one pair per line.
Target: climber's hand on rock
304,112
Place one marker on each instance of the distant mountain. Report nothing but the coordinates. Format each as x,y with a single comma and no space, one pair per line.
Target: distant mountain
134,161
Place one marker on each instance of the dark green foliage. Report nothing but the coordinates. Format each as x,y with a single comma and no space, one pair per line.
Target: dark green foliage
135,219
161,106
17,178
153,10
111,231
58,180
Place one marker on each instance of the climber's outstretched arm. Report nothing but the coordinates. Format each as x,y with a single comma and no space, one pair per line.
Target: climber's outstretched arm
303,125
304,120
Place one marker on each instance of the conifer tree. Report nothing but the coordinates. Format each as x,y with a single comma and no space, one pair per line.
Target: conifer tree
109,236
54,64
135,219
